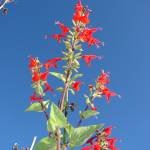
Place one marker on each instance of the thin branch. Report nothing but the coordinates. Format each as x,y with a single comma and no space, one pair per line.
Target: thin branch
2,4
33,143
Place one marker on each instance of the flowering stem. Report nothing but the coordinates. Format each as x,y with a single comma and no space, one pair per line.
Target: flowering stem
46,115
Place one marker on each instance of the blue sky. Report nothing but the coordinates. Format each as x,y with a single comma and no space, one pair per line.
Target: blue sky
126,55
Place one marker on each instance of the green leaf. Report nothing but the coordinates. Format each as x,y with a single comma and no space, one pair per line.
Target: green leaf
76,76
60,89
76,63
57,119
58,75
88,113
80,135
46,144
37,106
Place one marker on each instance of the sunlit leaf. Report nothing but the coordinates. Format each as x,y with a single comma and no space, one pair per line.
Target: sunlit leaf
37,106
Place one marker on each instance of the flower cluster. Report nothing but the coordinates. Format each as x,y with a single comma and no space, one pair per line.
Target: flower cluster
39,77
101,141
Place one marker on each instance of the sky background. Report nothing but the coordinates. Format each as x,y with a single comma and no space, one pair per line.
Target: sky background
126,34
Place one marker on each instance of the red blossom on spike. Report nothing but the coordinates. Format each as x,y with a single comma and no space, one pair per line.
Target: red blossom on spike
52,62
107,131
58,37
108,94
97,146
111,144
85,18
104,78
34,98
88,58
64,30
32,62
76,85
48,88
36,77
79,6
94,41
62,27
86,36
43,76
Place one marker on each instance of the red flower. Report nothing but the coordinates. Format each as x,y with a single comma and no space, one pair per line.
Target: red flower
79,6
52,62
107,131
36,77
94,41
104,78
58,37
62,27
88,58
85,18
86,36
32,62
108,94
81,14
111,144
97,146
48,88
63,34
76,85
43,76
34,98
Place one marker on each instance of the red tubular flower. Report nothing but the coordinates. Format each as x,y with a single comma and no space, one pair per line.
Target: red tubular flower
104,78
62,27
48,88
76,85
97,146
81,14
58,37
43,76
88,58
86,36
52,62
108,94
94,41
111,144
32,62
79,6
107,131
36,77
34,98
85,18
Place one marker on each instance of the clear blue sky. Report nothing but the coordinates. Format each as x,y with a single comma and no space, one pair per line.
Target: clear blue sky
126,34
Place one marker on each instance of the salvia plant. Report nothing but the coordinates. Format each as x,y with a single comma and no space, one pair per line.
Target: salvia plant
62,135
